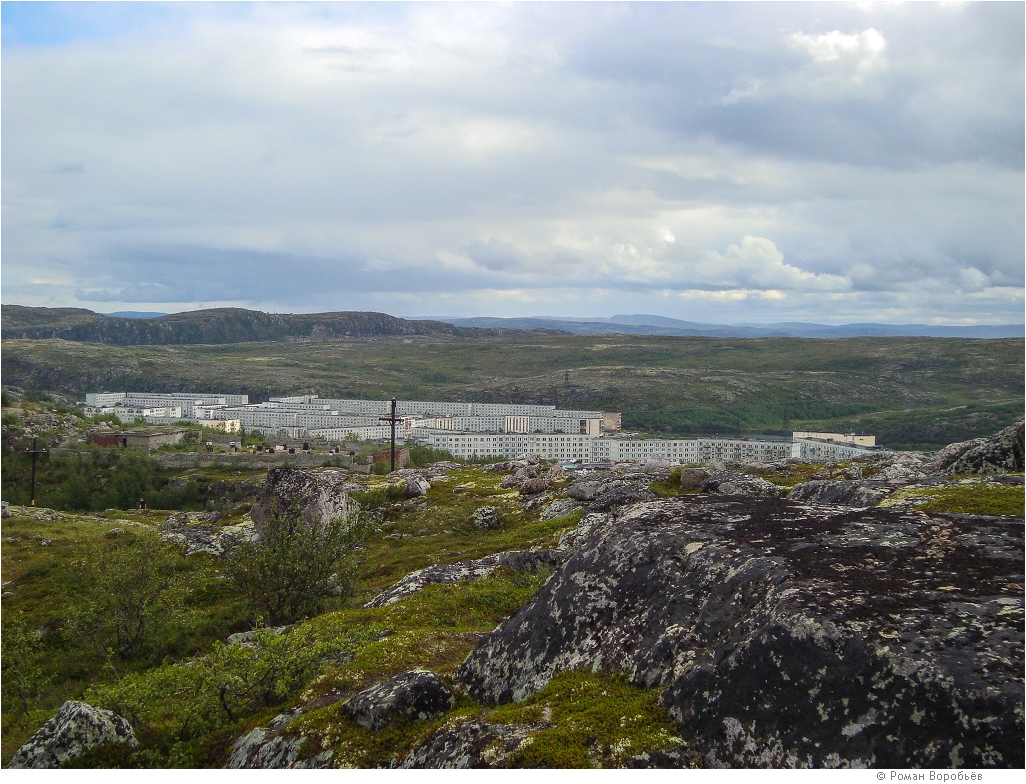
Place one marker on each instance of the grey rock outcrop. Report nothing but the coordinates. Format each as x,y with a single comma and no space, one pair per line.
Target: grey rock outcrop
736,483
269,749
588,523
416,486
841,492
76,728
485,517
692,478
210,539
614,496
657,463
786,635
409,696
519,560
318,497
1001,453
534,486
559,508
468,743
675,757
585,490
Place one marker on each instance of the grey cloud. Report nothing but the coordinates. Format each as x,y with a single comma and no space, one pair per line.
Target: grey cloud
334,154
496,254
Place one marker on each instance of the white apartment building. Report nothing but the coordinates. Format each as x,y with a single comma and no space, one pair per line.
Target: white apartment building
127,413
841,438
565,446
815,451
369,433
437,408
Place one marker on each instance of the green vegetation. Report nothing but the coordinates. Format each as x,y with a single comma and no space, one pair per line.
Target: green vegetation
910,392
94,479
296,565
64,627
970,497
597,720
132,584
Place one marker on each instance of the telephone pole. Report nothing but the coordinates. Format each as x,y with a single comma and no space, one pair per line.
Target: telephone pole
391,419
35,454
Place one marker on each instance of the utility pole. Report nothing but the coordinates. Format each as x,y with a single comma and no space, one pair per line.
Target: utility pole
35,454
391,419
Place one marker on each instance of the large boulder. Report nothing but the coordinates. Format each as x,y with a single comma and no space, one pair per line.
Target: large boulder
692,478
789,635
657,463
736,483
616,497
318,497
409,696
464,571
416,486
584,490
534,486
485,517
76,728
836,491
1001,453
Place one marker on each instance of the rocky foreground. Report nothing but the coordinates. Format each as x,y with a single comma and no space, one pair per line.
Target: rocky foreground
789,635
835,623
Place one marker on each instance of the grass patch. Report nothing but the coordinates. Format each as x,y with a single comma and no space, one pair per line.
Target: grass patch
982,498
597,721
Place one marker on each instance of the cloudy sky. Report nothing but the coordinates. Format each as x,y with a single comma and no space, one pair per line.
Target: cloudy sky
720,162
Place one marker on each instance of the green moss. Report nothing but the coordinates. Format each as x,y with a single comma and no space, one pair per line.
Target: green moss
971,498
597,720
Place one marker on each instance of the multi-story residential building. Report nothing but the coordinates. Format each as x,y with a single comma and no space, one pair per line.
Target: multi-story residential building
473,429
857,439
567,446
815,451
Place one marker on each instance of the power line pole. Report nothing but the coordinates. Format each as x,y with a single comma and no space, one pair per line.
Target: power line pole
35,454
391,419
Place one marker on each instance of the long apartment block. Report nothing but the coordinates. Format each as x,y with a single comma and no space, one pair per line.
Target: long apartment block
475,429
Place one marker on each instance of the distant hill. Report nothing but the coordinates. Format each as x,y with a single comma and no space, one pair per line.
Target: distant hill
643,324
217,325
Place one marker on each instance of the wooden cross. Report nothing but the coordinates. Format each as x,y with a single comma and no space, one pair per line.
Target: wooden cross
392,419
35,454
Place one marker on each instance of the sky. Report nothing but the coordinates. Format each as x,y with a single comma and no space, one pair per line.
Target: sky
717,162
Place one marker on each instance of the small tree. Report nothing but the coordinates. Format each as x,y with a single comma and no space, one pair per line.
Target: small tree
132,581
21,656
296,564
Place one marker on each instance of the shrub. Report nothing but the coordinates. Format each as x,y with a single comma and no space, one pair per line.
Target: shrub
296,564
21,653
132,582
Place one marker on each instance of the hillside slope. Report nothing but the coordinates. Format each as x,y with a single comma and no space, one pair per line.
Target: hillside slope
217,325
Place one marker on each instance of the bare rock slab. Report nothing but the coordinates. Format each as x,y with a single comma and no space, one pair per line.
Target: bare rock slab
843,492
472,743
410,696
464,571
789,635
76,728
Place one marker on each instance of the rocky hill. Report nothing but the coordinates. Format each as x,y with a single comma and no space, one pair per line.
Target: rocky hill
217,325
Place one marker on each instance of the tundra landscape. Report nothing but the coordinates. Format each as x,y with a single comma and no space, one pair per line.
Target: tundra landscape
520,612
501,386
